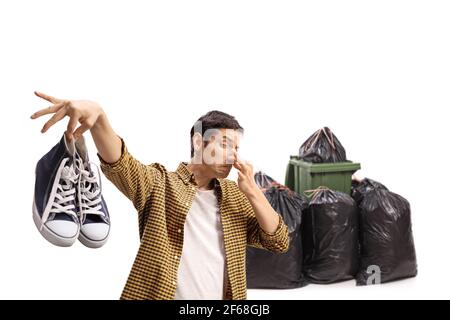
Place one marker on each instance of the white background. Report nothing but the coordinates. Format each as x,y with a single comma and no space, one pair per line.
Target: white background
376,72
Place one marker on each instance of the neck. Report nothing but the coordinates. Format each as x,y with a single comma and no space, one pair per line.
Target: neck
201,175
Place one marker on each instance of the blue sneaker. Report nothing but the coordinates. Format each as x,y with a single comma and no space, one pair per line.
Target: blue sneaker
91,207
54,210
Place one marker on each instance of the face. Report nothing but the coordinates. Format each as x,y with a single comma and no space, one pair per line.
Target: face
218,152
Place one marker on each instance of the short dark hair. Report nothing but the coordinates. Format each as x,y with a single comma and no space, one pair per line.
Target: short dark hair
215,120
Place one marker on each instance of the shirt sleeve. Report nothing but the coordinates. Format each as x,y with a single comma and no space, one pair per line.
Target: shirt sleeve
134,179
257,237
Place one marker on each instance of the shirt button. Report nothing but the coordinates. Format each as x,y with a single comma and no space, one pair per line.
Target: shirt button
179,230
176,257
187,204
174,283
193,188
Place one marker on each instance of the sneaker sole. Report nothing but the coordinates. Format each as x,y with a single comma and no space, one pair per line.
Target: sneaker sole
48,234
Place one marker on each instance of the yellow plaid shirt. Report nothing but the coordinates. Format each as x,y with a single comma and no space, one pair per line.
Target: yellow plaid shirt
163,199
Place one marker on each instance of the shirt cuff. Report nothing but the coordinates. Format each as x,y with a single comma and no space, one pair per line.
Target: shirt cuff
119,164
277,235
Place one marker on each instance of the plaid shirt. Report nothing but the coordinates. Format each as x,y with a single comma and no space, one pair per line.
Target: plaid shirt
163,199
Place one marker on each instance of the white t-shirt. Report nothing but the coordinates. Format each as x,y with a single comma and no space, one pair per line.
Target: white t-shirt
202,270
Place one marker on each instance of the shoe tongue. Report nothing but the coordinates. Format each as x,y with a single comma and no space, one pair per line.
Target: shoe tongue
66,172
81,149
92,186
70,145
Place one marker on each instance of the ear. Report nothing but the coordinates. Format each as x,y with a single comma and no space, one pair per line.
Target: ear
197,142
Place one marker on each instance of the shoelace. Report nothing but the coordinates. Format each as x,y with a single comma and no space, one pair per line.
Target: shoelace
64,192
89,191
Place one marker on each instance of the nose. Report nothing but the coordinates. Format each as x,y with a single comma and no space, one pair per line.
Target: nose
231,156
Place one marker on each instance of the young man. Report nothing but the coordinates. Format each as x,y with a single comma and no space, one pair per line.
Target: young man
194,224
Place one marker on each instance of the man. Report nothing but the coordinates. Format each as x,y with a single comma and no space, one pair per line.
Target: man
194,224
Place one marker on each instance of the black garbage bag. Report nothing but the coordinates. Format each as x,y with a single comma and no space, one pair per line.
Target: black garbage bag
264,181
322,147
330,237
360,188
269,270
387,244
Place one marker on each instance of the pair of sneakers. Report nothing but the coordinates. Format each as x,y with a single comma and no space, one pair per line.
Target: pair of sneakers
68,202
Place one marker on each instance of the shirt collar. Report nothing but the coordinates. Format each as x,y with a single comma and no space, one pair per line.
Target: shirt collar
187,176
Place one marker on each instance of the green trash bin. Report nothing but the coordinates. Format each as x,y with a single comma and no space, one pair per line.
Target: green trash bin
302,176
